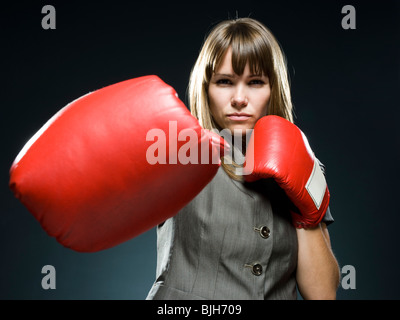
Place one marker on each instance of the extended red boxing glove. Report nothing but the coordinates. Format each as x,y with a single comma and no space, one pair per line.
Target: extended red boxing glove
107,167
278,149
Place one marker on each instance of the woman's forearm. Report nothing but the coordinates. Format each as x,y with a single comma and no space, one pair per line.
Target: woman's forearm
318,272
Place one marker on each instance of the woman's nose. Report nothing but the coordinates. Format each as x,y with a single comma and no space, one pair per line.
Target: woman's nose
239,98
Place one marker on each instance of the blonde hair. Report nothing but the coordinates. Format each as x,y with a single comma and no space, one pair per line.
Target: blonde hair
251,42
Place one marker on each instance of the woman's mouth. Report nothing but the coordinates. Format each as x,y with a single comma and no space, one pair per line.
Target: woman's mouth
238,116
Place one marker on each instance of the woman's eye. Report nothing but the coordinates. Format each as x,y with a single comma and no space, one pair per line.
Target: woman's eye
256,82
224,81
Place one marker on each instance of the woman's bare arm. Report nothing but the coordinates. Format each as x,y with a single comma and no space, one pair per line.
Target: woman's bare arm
318,273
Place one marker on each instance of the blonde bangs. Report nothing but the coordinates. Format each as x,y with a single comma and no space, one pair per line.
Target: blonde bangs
248,46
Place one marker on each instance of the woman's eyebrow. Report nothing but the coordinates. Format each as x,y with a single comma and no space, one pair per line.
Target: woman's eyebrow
229,75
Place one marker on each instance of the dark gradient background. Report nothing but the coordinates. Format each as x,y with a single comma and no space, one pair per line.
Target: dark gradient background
345,86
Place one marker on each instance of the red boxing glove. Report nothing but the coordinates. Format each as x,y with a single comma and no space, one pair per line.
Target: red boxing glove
278,149
93,175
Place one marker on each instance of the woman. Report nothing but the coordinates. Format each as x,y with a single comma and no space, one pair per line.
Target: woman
236,240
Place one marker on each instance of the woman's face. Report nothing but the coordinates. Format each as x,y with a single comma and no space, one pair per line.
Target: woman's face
237,102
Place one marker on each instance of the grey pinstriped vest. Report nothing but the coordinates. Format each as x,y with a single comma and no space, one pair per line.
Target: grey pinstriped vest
233,241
